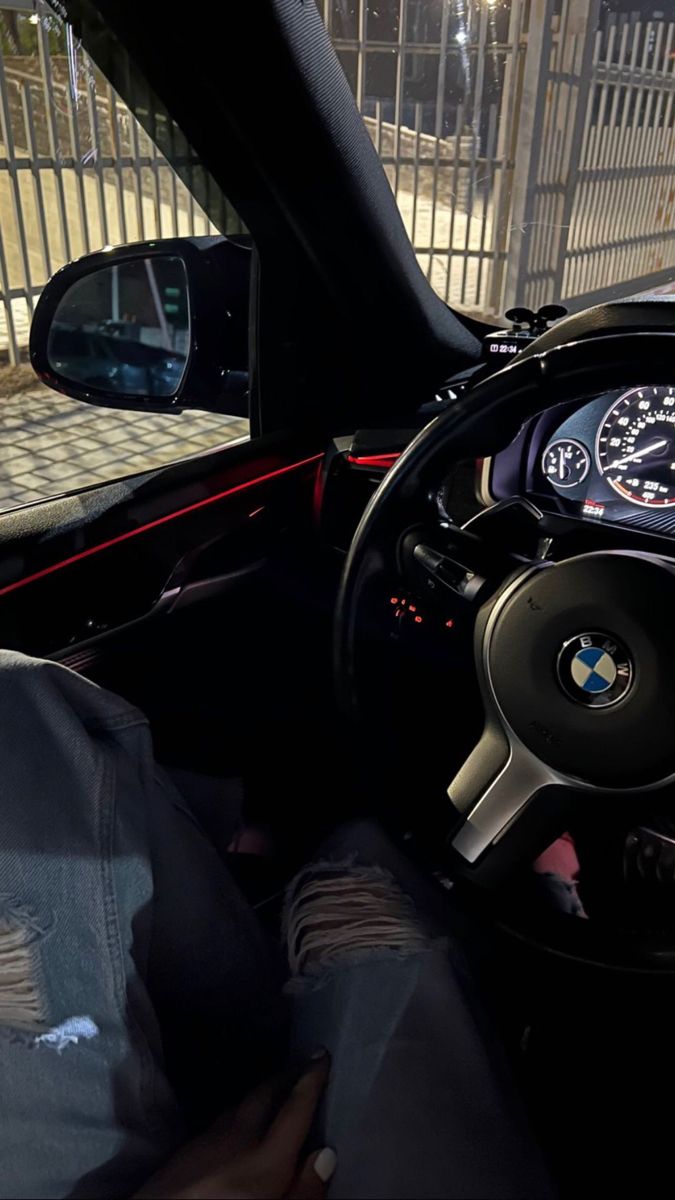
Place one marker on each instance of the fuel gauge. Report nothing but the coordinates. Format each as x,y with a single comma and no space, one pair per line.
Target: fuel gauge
566,463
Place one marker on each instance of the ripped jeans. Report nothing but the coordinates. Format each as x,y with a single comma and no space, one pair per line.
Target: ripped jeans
129,959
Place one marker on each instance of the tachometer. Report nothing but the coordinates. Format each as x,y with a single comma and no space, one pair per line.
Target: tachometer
565,462
635,446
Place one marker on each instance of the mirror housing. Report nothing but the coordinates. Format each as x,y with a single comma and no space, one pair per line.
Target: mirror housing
157,326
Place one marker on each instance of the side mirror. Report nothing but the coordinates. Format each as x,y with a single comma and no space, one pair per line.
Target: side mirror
155,327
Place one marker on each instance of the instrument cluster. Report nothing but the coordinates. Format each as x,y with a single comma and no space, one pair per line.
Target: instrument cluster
609,459
633,449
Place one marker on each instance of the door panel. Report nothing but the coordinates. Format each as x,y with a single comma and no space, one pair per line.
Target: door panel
83,565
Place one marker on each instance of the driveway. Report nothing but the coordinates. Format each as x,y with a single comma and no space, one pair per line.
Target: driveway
50,444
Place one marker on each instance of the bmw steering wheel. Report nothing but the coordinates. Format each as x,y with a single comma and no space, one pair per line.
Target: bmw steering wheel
574,657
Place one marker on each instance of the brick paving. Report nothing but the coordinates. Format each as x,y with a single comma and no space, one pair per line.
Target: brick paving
50,444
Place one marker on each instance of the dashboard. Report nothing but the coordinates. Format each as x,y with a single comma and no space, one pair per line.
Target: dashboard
606,459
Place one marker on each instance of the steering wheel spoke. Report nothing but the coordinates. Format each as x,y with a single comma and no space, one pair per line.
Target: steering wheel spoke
497,783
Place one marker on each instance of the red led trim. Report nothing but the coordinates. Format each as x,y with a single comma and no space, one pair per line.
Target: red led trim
181,512
383,461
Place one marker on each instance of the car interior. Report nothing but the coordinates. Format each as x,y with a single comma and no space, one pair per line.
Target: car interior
435,586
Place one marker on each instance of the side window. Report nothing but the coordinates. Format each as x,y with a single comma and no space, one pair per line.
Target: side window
80,174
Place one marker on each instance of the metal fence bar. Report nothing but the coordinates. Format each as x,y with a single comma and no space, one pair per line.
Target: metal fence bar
117,155
609,209
629,187
506,149
76,152
38,196
590,188
485,249
157,189
328,15
416,171
665,206
637,183
137,176
15,194
475,100
191,212
532,111
53,134
97,164
398,90
438,127
172,181
13,345
626,186
361,47
578,126
459,125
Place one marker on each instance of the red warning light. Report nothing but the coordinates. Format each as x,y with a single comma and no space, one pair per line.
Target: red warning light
393,600
418,620
412,607
449,624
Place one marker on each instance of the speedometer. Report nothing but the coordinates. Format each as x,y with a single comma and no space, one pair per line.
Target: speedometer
635,446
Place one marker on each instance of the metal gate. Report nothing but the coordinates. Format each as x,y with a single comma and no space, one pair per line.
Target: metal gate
531,146
594,198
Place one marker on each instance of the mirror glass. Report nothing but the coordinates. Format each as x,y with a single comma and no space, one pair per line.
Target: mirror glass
124,328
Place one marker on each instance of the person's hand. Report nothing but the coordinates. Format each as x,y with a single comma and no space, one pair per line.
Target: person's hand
247,1156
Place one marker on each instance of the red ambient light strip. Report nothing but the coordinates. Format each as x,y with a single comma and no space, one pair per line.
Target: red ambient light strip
181,512
384,461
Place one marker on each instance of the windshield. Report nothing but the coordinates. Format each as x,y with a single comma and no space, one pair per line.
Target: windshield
530,143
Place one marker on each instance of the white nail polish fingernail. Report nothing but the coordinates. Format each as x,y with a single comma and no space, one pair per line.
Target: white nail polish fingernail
325,1164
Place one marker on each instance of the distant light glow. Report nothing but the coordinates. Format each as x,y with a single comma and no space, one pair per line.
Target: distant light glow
461,37
34,19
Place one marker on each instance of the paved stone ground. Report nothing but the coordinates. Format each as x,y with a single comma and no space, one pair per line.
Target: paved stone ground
50,444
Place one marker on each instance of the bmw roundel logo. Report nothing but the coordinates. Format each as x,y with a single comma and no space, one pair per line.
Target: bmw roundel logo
595,669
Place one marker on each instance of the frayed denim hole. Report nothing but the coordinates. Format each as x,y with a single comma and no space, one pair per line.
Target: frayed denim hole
22,1004
336,912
